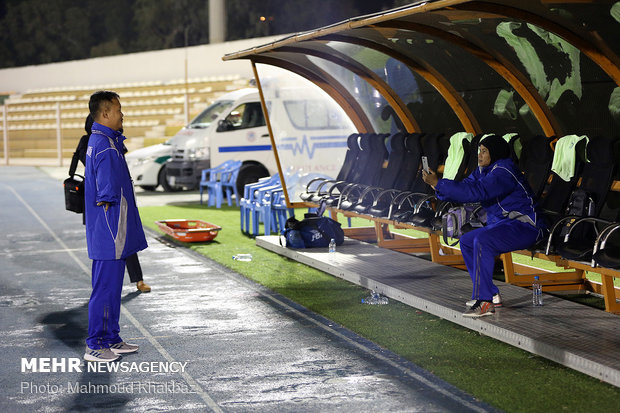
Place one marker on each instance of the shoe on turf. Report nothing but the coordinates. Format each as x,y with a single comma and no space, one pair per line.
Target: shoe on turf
143,287
122,348
497,301
480,309
101,354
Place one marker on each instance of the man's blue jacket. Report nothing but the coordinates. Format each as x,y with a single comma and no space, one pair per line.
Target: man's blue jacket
117,233
500,188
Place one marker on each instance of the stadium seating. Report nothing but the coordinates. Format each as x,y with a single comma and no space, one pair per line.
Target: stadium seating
149,107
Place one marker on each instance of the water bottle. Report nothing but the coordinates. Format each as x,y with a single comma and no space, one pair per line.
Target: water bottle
537,299
332,249
375,299
242,257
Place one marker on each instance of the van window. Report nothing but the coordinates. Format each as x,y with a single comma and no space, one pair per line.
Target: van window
247,115
210,114
312,114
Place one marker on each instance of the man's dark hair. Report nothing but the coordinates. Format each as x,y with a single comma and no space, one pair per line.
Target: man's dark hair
96,100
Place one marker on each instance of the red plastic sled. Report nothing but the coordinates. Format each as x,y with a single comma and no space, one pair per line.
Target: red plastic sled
189,230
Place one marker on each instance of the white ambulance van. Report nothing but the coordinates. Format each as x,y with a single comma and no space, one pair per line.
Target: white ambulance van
148,165
239,133
310,139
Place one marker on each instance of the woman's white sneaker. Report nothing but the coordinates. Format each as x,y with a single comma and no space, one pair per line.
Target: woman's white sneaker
497,301
480,309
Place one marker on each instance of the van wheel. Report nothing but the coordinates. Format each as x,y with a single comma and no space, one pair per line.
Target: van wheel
149,188
249,173
161,179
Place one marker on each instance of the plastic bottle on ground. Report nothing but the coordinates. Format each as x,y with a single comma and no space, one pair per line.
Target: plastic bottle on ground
375,299
242,257
537,299
332,249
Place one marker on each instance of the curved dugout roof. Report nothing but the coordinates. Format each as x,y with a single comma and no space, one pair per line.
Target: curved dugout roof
544,67
536,67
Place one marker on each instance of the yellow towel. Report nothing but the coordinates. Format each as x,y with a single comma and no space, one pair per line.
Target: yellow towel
564,157
455,154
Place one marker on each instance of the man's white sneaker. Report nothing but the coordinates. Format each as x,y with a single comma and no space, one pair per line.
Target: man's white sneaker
122,348
102,354
497,301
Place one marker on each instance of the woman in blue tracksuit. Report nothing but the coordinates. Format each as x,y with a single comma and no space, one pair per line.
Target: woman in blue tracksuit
113,227
513,222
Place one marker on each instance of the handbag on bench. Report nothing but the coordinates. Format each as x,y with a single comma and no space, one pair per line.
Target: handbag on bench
462,219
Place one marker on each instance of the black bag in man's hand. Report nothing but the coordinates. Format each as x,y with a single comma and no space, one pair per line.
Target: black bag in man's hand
74,193
74,188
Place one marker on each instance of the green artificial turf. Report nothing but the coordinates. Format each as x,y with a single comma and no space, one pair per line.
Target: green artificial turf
496,373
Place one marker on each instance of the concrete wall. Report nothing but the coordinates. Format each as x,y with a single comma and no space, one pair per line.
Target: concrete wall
163,65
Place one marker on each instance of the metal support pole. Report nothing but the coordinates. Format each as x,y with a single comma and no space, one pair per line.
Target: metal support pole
58,134
5,130
186,107
217,21
186,103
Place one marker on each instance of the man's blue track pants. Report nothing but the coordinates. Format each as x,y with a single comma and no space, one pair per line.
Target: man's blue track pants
104,307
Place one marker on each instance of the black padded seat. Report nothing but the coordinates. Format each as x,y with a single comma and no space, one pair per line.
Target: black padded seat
350,173
596,179
349,160
361,198
366,171
407,180
608,257
535,161
555,196
425,210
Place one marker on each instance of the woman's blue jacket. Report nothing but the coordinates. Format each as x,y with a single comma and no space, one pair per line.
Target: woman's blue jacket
501,189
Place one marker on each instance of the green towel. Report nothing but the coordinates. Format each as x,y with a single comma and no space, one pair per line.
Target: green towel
455,154
614,104
484,136
565,156
507,137
505,106
517,145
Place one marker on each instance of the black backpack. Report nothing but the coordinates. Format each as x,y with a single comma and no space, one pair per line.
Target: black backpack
580,204
312,232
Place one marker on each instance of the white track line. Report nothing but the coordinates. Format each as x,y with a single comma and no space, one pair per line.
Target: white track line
189,379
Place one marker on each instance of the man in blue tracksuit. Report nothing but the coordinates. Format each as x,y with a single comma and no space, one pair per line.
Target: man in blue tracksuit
513,222
113,227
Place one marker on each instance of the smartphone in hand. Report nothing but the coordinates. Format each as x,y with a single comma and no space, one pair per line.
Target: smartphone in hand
425,164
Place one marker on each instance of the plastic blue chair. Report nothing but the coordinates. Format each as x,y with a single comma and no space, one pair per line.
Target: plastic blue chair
257,203
279,211
230,185
260,209
245,204
270,205
211,175
215,188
